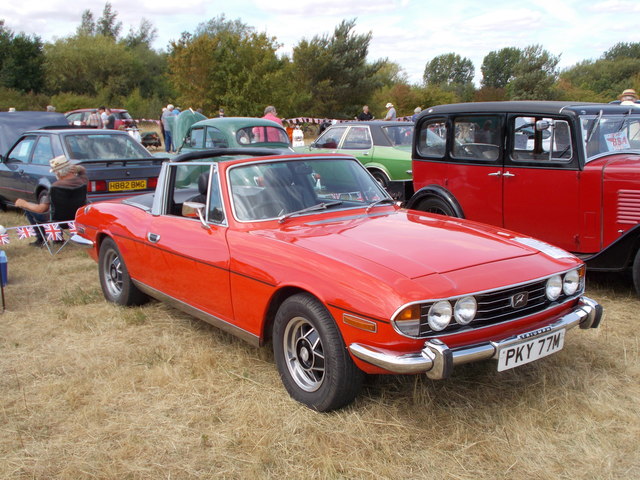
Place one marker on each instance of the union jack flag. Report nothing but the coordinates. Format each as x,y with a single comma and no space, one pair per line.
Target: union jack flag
25,232
52,231
72,228
4,239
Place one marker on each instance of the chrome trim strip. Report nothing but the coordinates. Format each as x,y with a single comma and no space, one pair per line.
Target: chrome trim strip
81,241
435,352
202,315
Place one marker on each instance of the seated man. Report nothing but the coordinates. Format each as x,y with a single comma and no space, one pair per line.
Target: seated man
69,176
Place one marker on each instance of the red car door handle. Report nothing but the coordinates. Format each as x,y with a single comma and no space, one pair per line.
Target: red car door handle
153,237
508,174
495,174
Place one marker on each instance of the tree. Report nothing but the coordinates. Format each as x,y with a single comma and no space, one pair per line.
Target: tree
107,24
534,75
449,70
623,50
498,67
87,25
333,76
232,67
21,61
145,35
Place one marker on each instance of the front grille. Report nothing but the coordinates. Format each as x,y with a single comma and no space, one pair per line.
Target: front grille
496,307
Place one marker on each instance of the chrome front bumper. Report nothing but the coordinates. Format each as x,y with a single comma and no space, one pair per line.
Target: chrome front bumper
437,360
81,241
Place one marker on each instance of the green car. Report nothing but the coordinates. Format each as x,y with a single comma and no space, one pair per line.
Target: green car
229,132
383,147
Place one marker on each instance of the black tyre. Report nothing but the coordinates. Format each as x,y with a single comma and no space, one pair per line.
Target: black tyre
42,194
380,177
313,362
436,205
636,273
115,281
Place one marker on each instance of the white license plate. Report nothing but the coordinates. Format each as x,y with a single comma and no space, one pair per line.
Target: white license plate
530,350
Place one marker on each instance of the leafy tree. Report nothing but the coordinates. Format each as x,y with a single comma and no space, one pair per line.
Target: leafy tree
449,70
333,76
603,79
232,67
21,61
145,35
534,75
498,67
623,50
107,24
87,25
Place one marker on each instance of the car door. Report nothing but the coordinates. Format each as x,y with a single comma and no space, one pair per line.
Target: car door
329,141
13,184
541,181
189,260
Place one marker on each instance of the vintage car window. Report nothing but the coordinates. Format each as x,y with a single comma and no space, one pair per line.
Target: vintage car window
196,139
476,138
330,138
399,135
358,138
262,134
215,139
196,183
22,150
103,147
610,133
42,153
432,138
268,190
531,144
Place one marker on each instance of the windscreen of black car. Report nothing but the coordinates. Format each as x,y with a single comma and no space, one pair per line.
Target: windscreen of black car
262,134
103,147
400,134
269,190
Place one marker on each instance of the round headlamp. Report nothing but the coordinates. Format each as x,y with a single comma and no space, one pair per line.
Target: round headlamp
571,282
465,310
439,315
554,288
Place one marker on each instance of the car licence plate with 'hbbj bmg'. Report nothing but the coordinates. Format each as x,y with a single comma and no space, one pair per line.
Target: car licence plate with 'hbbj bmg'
530,350
127,185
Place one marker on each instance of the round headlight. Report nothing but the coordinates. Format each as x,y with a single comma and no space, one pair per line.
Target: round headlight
554,288
465,310
571,282
439,315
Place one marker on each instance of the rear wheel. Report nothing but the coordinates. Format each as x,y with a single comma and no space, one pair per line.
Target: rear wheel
380,177
436,205
313,362
115,281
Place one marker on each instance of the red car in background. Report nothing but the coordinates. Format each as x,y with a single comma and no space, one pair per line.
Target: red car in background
81,116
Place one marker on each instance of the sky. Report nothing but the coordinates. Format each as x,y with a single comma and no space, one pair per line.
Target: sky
408,32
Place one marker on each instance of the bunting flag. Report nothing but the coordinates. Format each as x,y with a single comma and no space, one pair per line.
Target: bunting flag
53,232
72,228
25,232
4,239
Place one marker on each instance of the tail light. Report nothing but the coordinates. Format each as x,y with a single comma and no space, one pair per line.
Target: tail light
152,182
98,186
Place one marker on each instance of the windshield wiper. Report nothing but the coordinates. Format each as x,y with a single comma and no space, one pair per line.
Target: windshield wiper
313,208
593,126
379,202
624,120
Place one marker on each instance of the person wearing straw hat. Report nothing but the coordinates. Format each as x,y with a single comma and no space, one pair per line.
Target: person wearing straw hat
391,112
629,97
67,175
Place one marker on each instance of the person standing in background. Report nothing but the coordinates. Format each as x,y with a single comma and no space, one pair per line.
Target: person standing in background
167,127
391,112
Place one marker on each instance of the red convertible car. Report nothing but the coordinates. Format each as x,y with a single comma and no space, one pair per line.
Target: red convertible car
309,252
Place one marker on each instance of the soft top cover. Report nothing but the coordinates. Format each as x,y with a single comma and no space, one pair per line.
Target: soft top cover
14,124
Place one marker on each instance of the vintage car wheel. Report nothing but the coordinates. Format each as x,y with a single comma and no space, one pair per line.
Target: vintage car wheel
311,357
115,281
380,177
436,205
636,273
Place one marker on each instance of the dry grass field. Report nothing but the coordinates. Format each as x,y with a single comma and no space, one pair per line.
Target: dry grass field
92,391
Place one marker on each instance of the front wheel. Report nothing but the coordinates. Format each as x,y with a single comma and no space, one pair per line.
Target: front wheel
436,205
311,357
115,281
380,177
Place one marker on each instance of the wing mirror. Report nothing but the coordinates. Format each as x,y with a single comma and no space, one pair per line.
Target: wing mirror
195,210
543,125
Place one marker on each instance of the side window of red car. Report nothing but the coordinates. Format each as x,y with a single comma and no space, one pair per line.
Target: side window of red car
433,138
476,138
541,139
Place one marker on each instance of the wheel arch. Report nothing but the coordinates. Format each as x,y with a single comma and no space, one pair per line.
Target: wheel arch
617,256
435,191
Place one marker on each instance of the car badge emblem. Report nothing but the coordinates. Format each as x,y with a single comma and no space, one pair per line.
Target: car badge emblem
520,300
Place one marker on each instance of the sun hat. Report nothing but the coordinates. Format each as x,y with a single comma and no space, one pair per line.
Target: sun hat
389,105
629,92
58,163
